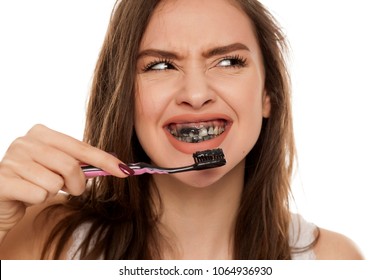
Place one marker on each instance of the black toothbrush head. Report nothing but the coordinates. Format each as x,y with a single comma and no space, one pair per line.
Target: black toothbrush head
209,159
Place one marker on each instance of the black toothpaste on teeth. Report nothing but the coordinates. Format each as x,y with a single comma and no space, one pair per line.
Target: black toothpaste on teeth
187,130
193,131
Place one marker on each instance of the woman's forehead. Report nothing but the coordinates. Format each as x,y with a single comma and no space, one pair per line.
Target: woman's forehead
197,23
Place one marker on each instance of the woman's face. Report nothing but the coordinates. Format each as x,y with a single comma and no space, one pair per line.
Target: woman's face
200,85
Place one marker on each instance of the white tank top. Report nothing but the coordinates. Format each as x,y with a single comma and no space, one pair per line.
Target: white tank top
301,235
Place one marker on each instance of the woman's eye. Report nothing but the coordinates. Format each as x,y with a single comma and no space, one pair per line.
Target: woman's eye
158,66
235,61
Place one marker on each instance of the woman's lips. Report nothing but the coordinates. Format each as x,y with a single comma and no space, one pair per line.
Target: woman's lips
189,134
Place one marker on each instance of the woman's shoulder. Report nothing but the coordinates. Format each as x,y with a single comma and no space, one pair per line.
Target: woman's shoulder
335,246
311,242
26,240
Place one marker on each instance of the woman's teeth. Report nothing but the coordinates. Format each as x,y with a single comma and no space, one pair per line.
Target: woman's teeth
195,133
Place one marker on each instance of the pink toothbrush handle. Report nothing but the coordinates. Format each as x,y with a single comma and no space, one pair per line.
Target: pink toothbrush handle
93,174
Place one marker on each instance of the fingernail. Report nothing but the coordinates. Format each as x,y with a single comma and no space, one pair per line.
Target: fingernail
125,169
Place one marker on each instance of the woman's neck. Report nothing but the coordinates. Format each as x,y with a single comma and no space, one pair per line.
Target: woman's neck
199,222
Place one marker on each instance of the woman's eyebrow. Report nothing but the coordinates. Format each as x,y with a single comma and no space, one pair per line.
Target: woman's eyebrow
225,49
158,53
207,54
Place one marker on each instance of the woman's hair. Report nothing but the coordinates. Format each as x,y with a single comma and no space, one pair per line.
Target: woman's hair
120,213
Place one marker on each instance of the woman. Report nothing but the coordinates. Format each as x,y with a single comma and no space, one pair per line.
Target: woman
166,66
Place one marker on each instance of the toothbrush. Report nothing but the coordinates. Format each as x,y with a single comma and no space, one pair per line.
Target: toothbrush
203,160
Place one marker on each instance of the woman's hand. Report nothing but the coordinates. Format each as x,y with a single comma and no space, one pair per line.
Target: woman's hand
40,164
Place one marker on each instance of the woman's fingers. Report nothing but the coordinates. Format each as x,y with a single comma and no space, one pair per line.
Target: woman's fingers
38,175
42,163
79,150
16,189
48,161
44,166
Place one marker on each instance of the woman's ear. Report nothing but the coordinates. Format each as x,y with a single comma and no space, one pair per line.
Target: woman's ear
266,105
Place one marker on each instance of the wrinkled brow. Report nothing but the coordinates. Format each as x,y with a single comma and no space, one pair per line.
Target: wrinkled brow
225,50
158,53
207,54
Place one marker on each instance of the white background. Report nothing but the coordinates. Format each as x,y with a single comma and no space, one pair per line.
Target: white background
340,73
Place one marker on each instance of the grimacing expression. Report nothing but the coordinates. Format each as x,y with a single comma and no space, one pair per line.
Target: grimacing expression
200,85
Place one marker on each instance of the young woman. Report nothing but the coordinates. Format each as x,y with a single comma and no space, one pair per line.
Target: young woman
168,67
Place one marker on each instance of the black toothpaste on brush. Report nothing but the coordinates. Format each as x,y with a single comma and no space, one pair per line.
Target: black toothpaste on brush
203,160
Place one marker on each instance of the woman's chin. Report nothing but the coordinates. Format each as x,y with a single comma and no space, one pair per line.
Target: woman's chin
202,179
192,179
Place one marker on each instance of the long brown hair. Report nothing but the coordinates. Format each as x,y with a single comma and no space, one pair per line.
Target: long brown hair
120,212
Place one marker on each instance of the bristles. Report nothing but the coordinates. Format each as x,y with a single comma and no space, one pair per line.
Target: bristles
208,155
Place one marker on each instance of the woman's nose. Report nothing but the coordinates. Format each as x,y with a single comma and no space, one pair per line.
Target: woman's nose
195,91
